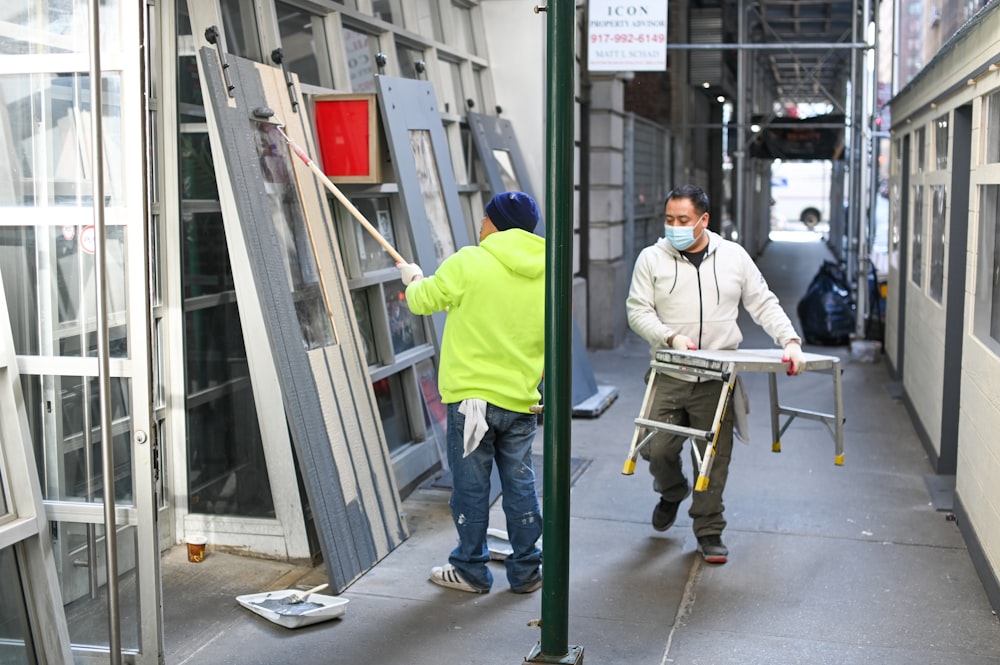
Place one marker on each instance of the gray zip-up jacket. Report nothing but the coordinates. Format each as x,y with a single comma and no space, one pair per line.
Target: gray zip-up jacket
669,296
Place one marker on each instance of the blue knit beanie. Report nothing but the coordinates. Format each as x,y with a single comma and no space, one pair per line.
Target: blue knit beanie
513,210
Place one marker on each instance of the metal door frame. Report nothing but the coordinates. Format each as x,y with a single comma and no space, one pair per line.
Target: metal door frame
955,314
408,105
23,526
490,134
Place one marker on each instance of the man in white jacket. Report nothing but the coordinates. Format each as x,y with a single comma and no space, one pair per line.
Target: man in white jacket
685,294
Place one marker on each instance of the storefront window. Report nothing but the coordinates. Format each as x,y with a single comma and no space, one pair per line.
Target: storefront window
474,170
241,29
405,329
937,240
382,9
15,631
920,150
507,174
428,23
464,33
430,185
303,43
411,62
895,218
437,411
363,313
4,510
993,128
941,143
989,216
227,473
450,88
216,355
190,105
392,409
58,27
37,259
371,254
360,49
205,254
197,167
478,74
50,139
70,426
917,255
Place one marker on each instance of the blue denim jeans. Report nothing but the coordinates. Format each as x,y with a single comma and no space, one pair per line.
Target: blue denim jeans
508,443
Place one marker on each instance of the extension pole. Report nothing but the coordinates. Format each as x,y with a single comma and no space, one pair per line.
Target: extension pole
560,65
340,197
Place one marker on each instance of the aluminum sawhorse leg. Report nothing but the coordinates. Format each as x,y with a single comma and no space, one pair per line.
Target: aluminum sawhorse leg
836,419
646,428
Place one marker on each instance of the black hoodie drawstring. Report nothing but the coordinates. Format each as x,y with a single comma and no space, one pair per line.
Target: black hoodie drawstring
715,273
675,276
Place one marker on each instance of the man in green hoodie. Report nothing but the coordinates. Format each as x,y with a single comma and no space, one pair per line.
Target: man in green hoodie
492,356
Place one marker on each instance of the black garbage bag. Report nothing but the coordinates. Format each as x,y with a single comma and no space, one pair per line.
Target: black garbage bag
875,320
826,311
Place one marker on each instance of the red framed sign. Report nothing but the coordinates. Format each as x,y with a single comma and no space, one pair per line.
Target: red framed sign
347,137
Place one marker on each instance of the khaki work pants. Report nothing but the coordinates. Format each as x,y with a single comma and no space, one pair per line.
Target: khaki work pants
690,404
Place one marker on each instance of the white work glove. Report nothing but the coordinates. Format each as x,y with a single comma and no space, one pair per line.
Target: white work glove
683,343
409,272
793,356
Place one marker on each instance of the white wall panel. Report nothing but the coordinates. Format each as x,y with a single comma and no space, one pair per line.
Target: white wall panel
925,360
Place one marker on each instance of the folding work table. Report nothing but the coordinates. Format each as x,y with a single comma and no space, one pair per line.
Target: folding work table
725,366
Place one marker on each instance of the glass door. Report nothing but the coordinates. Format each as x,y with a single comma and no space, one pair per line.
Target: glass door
51,260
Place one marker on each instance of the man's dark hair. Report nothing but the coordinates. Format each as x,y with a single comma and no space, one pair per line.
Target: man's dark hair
693,193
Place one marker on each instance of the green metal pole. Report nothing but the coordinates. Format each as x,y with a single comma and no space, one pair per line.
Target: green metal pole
558,389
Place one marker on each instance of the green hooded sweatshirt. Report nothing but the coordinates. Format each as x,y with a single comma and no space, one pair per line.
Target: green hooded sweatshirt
494,335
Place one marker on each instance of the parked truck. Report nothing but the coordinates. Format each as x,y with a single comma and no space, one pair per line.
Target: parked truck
800,193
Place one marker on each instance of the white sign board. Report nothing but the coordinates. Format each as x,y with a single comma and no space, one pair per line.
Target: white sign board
627,36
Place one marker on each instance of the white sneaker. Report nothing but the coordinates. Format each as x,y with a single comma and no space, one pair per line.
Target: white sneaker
534,585
448,576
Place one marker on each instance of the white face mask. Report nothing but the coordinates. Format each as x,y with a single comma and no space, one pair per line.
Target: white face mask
681,237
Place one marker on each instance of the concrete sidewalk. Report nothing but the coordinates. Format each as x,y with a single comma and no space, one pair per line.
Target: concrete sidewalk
828,564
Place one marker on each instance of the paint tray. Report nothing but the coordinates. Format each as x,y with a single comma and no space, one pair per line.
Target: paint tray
315,609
